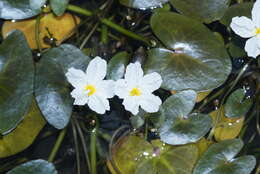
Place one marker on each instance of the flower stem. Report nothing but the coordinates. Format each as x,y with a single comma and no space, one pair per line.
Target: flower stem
93,154
57,145
104,34
110,24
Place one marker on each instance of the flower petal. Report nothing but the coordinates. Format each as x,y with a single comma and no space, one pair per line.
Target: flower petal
131,104
150,103
256,14
151,82
80,98
98,104
252,47
106,88
134,74
76,77
243,26
120,88
96,70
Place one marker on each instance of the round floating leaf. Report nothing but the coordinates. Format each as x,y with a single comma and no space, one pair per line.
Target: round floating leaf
227,128
199,62
59,6
178,128
203,10
134,155
20,9
179,104
51,87
143,4
241,9
117,65
35,167
59,27
16,81
185,130
25,133
219,159
237,105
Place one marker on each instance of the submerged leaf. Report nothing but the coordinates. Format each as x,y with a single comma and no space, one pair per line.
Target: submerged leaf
227,128
16,81
199,60
34,167
203,10
134,155
219,159
59,27
51,86
25,133
20,9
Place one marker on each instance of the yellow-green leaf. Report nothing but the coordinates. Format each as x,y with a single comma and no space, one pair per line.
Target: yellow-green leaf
25,133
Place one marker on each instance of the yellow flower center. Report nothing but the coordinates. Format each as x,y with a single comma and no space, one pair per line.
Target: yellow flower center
91,89
135,92
257,31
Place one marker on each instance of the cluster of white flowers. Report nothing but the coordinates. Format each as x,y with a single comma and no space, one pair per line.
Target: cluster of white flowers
136,89
249,28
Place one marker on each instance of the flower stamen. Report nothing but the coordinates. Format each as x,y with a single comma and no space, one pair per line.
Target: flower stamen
92,90
257,31
135,92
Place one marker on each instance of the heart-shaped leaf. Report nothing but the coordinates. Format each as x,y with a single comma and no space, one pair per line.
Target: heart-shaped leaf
20,9
51,87
25,133
185,130
203,10
179,128
134,155
16,81
241,9
34,167
237,105
219,159
60,28
143,4
199,62
227,128
59,6
117,65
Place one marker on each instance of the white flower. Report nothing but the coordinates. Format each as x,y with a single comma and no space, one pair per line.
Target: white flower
248,28
90,88
136,89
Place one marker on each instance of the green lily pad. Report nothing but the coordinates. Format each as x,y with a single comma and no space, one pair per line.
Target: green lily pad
219,159
34,167
25,133
134,155
203,10
180,127
51,86
237,105
242,9
16,81
59,6
197,59
117,65
20,9
143,4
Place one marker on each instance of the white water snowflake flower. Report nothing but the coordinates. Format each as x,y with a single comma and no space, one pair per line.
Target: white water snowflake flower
247,28
136,89
90,86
